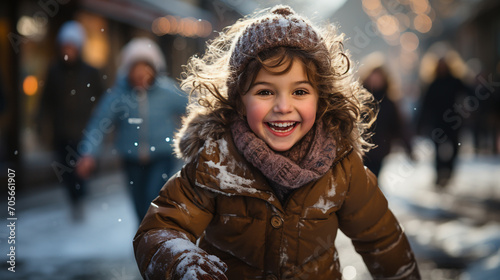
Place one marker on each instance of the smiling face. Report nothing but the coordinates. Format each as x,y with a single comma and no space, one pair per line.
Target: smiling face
281,108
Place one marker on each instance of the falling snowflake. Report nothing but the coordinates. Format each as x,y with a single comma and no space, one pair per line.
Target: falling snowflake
153,148
65,57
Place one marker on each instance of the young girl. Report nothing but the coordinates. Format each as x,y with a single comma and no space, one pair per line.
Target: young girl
273,143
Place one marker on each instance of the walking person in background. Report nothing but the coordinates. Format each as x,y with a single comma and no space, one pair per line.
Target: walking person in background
70,91
143,109
435,120
273,145
390,125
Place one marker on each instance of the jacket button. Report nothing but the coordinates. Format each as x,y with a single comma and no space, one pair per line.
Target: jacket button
271,277
276,222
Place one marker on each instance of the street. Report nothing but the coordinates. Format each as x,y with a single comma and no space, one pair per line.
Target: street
454,232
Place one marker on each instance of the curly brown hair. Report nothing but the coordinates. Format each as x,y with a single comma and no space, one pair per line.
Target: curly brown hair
344,106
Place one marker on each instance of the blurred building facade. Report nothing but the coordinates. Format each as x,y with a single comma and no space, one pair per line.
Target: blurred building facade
28,30
412,35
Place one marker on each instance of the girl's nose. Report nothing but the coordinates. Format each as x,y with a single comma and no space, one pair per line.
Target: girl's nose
283,104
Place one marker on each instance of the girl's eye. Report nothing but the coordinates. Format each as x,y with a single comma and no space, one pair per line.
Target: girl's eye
264,92
300,92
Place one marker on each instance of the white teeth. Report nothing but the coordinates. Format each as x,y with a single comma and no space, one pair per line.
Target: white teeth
288,125
282,124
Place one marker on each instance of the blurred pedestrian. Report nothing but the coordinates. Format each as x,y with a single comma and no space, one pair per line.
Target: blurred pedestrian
440,120
144,109
390,125
69,94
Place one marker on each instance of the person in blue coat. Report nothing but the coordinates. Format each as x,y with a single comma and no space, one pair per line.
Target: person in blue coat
143,110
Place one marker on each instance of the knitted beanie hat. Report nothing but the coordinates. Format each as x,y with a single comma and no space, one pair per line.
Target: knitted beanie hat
280,27
141,49
71,32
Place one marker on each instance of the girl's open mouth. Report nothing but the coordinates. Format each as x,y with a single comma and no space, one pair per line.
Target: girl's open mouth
281,127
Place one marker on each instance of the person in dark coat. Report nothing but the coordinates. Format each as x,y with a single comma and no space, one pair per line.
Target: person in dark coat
440,120
71,89
390,124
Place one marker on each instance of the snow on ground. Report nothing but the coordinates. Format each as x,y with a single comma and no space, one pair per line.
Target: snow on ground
454,232
455,228
50,245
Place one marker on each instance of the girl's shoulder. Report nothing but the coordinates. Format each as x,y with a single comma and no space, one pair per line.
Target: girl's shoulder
349,163
194,134
343,155
219,167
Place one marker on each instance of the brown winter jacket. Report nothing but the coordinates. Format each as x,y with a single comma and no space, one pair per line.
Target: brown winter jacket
223,201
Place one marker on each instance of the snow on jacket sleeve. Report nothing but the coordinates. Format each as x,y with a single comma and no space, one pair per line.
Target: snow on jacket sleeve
372,227
175,220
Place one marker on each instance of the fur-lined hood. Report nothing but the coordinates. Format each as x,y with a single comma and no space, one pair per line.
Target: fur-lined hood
197,129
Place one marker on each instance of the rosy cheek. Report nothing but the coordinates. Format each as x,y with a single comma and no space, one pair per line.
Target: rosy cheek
253,117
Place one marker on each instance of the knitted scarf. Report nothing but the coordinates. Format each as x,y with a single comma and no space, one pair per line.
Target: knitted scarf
307,160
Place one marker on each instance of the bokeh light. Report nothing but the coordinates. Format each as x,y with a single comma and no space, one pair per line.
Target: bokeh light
420,6
372,7
186,27
31,28
422,23
409,41
30,85
388,25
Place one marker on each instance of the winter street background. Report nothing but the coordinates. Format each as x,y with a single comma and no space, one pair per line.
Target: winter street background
454,233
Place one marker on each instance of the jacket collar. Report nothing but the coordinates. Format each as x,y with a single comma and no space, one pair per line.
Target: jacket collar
224,171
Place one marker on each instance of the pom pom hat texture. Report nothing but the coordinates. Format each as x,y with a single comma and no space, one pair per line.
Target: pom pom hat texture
281,27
